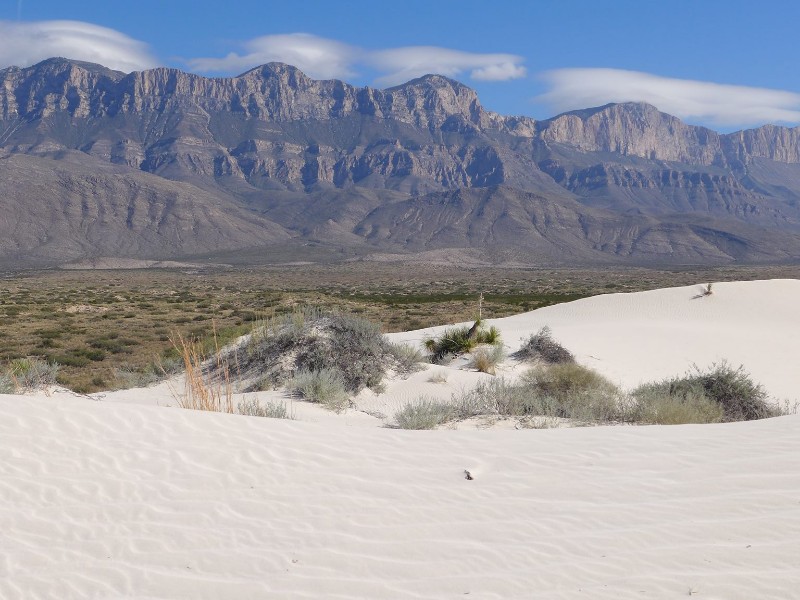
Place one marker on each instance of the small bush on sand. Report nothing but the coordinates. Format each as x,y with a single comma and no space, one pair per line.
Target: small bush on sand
486,360
408,358
324,386
313,340
655,404
732,390
29,374
7,384
576,392
270,410
424,413
541,346
455,341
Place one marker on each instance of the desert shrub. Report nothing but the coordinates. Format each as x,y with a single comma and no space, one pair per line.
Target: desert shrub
271,410
313,340
438,377
129,377
486,360
408,358
740,398
460,340
424,413
32,373
655,404
573,391
7,384
541,346
324,386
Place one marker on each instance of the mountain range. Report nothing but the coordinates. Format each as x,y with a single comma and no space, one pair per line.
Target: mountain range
164,164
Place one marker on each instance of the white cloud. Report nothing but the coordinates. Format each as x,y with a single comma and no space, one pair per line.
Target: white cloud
713,103
326,58
26,43
402,64
317,57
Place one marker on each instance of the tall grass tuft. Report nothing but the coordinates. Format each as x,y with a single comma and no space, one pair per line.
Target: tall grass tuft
204,388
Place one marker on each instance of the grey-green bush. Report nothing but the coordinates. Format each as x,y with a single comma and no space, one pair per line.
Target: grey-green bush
270,410
324,386
314,341
32,373
733,390
542,346
424,413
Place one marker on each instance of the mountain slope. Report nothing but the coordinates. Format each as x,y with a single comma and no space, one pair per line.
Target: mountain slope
270,156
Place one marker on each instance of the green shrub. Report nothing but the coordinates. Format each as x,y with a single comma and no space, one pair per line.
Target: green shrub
324,386
424,413
542,346
271,410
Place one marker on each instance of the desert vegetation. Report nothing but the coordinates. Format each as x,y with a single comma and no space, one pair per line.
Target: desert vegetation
542,347
111,329
455,341
559,390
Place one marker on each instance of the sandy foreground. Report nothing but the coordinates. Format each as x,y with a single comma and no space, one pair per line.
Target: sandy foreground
125,496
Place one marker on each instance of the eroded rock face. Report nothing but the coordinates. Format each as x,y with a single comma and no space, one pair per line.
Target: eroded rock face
635,129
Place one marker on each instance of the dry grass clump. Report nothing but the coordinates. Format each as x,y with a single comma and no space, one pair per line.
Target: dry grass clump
486,360
455,341
207,384
542,347
720,393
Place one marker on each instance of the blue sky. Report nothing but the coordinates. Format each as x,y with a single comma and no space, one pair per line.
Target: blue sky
725,64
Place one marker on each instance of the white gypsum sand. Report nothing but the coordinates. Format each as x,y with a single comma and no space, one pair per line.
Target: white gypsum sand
107,498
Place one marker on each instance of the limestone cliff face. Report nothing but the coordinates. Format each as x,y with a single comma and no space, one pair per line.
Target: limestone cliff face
273,140
781,144
635,129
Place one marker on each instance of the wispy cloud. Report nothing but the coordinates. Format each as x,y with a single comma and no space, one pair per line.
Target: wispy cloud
326,58
318,57
26,43
401,64
712,103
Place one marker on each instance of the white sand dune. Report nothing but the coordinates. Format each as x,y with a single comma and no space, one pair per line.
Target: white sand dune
113,499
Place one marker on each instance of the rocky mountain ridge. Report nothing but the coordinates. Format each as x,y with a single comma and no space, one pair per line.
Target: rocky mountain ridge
299,158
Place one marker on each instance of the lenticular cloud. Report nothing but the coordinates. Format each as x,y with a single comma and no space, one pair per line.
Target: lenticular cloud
24,44
714,103
326,58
